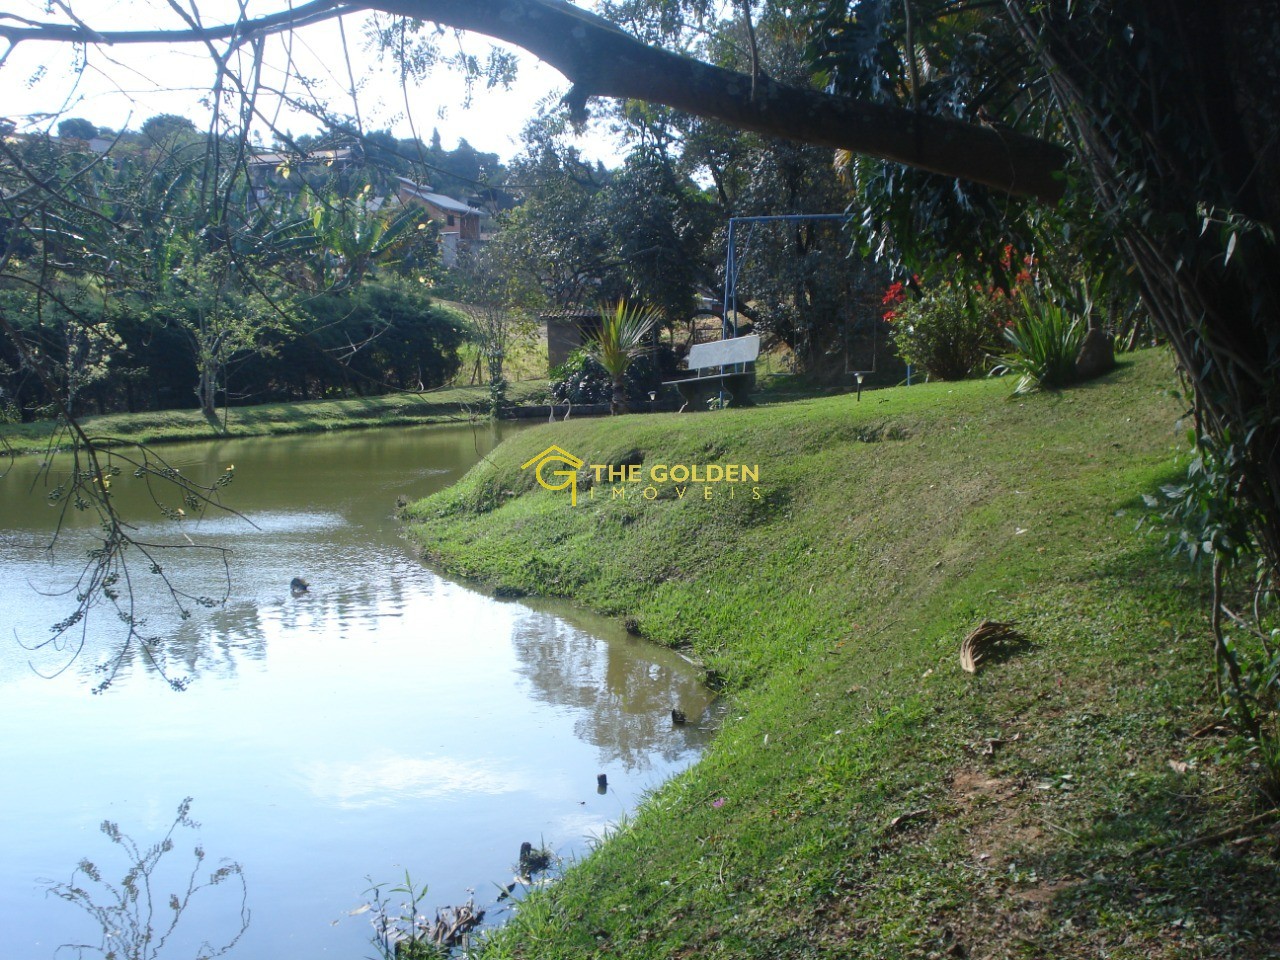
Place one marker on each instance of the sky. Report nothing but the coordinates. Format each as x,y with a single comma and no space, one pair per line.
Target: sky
124,85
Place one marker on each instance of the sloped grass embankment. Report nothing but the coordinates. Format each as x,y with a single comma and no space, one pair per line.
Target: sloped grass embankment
865,797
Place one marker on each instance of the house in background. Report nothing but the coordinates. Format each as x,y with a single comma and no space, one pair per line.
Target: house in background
279,174
459,222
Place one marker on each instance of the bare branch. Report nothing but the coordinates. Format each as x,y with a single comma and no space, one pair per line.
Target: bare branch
241,30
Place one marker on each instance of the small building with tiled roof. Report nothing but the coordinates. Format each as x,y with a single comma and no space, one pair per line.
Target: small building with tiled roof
459,223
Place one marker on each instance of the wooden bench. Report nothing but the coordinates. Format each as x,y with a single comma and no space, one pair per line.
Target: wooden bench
717,356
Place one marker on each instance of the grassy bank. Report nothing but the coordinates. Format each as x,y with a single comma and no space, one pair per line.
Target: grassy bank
167,426
865,797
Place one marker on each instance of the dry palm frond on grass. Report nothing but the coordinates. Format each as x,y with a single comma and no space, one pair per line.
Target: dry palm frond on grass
986,638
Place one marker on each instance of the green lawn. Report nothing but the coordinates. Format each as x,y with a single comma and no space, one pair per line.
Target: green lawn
166,426
865,797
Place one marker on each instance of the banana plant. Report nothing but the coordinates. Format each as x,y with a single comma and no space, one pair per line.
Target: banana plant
333,242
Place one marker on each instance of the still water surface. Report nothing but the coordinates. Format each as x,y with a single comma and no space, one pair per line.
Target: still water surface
388,720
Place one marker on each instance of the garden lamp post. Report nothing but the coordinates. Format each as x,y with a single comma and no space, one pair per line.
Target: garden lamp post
858,376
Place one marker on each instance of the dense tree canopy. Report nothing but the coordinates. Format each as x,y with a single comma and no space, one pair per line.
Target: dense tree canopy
76,128
588,236
146,277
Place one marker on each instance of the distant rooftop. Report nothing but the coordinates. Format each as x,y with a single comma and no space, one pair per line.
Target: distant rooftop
311,156
438,199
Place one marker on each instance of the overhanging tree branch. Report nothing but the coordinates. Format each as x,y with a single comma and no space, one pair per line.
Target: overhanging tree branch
299,16
601,60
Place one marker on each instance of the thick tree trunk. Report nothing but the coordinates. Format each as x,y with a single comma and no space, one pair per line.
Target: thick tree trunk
207,390
618,402
1177,131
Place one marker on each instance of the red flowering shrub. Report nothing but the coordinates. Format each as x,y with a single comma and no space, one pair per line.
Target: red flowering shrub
893,296
948,332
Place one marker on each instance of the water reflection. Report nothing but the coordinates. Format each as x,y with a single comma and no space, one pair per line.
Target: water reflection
164,904
623,694
386,777
386,720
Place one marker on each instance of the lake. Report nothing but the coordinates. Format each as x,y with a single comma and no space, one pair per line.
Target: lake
385,721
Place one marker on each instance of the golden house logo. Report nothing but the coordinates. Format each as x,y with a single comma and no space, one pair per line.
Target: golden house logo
554,455
704,481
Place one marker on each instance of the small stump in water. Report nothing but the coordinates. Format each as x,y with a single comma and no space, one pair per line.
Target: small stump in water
533,860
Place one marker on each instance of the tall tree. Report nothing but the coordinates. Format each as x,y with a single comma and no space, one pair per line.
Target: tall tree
164,128
499,300
76,128
557,237
588,236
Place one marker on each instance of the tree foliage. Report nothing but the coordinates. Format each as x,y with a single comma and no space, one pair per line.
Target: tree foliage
641,232
150,275
76,128
949,332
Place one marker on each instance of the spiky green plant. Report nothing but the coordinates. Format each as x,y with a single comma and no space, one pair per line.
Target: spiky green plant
620,340
1045,343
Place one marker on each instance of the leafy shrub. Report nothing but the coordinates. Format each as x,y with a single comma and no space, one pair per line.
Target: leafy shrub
948,332
379,336
1208,519
580,379
1206,516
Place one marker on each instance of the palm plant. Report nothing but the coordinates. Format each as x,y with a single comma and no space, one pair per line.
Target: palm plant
620,340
